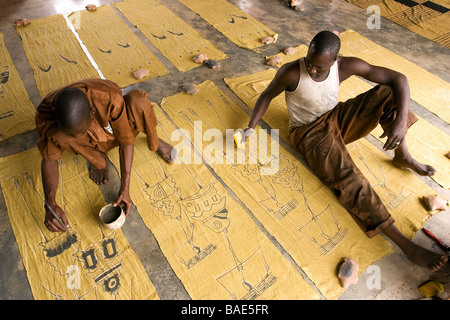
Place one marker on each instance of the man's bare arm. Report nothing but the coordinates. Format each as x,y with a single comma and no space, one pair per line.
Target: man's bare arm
285,79
126,153
50,178
349,66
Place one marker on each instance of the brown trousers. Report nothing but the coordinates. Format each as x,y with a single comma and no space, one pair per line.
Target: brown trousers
322,143
141,117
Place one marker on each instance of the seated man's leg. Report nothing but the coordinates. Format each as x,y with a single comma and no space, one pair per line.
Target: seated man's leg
326,155
323,146
142,118
357,117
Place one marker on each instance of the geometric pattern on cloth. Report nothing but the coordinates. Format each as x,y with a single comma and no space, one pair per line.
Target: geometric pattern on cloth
430,19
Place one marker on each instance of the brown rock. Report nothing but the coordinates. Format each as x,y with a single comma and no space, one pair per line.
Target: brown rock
268,40
212,64
91,7
348,272
200,58
289,50
274,61
435,203
191,88
22,22
140,74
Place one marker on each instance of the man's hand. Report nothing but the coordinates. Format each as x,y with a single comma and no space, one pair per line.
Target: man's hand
395,134
247,133
51,222
124,200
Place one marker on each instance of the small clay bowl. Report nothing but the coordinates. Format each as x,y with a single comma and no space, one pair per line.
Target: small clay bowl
112,217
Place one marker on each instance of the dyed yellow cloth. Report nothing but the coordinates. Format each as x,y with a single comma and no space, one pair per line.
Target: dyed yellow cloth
400,190
16,109
291,203
54,54
235,24
430,19
209,239
92,262
114,47
176,40
429,91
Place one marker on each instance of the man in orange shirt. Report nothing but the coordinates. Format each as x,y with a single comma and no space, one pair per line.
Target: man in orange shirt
91,117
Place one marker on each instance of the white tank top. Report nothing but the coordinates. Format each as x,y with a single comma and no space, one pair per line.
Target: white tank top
311,99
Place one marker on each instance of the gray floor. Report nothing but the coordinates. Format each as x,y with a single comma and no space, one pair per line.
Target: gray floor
399,277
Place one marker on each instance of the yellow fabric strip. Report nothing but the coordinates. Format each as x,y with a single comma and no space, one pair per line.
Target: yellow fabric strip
54,54
91,262
431,20
176,40
210,241
114,47
16,109
235,24
428,90
400,190
291,203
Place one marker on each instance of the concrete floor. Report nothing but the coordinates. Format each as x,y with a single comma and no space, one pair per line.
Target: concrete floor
399,277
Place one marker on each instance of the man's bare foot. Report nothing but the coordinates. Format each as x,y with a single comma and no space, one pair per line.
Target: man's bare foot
425,258
99,176
411,163
417,254
165,151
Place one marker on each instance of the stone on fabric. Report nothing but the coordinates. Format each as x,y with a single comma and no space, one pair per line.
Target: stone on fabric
200,58
289,50
435,203
348,272
268,40
140,74
274,61
91,7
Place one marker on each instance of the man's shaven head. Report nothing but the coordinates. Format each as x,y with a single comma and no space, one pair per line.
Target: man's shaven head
72,108
326,42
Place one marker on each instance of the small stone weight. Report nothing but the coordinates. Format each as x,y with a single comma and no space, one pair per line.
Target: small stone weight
140,74
200,58
22,22
212,64
268,40
274,61
91,7
289,50
191,88
348,272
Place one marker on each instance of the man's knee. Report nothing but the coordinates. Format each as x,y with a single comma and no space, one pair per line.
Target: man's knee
136,97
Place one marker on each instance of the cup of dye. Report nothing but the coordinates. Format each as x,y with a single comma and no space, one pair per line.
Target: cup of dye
112,217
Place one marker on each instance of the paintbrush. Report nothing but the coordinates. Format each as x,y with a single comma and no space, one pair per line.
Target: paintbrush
439,242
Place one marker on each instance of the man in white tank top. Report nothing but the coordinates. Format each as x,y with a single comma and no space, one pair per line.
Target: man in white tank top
320,127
